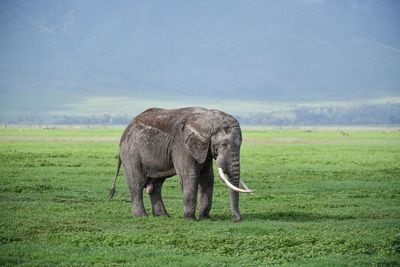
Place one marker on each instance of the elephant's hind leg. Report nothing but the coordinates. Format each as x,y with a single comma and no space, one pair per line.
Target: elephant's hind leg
157,203
136,181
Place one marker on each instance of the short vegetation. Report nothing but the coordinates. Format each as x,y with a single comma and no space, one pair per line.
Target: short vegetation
323,198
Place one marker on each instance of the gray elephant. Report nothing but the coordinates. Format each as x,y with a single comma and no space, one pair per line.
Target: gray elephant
161,143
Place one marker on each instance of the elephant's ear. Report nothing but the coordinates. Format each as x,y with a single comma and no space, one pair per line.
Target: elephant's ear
197,139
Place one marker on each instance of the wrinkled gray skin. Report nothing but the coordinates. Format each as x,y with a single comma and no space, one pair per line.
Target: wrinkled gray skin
161,143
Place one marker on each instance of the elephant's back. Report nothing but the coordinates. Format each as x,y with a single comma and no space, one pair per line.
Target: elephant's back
158,120
165,120
150,122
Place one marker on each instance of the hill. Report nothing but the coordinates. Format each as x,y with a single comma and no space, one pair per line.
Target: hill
55,55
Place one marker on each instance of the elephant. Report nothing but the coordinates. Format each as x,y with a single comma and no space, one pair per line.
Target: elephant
161,143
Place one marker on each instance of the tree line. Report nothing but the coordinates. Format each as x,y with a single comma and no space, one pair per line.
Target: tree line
368,114
388,114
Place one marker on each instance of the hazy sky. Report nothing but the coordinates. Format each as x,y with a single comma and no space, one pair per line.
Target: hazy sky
65,56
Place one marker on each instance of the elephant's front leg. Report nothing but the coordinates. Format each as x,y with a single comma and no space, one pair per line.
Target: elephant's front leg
206,185
188,172
190,183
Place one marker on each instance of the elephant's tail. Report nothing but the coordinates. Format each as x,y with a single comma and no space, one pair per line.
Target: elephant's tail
112,191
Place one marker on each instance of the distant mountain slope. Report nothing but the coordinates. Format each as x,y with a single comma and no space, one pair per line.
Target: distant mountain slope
60,51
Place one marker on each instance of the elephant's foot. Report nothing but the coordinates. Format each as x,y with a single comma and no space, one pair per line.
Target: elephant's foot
204,217
160,211
161,214
139,213
189,216
236,217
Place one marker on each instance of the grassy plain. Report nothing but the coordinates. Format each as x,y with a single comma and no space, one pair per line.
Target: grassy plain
322,198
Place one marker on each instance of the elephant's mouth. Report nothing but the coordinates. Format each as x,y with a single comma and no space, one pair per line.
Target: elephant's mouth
226,182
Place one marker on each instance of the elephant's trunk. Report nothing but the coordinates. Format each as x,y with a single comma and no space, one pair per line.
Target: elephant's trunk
234,174
233,183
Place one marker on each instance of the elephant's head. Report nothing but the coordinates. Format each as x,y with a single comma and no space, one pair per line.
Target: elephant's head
218,134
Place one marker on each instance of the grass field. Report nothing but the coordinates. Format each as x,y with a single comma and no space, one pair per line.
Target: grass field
322,198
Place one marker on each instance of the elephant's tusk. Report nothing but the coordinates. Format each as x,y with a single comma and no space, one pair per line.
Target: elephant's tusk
244,186
231,186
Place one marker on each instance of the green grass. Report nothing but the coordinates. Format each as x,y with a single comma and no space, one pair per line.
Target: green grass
321,199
